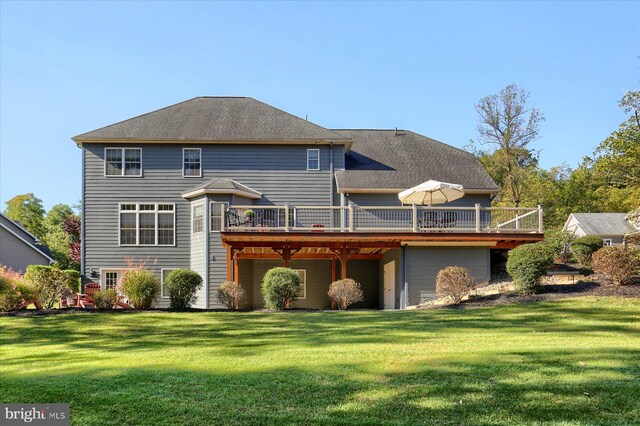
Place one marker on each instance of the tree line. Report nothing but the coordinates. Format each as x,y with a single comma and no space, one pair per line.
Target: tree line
606,181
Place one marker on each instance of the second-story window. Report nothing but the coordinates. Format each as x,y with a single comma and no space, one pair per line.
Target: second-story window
123,161
313,159
191,162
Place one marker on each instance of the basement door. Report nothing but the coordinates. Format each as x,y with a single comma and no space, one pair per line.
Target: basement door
389,285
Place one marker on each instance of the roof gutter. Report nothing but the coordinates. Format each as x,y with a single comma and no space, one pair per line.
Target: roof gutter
347,142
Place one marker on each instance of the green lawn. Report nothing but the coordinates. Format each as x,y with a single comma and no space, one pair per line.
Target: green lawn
574,361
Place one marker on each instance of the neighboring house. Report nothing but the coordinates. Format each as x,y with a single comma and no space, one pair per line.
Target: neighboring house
611,227
19,248
231,187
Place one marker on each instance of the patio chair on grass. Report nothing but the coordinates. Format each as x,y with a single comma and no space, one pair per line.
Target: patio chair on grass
85,300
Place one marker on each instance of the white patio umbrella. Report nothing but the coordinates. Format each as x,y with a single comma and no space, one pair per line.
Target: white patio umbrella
431,192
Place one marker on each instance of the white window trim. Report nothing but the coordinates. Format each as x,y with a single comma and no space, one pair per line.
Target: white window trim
609,240
137,212
222,218
204,216
123,161
303,282
318,151
200,160
162,295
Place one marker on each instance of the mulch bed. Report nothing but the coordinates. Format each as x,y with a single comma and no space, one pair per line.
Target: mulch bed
549,292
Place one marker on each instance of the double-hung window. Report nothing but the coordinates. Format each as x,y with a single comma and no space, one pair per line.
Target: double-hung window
313,159
197,218
147,224
191,162
123,162
216,215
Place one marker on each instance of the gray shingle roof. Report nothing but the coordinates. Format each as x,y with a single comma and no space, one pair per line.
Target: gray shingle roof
222,184
604,223
382,159
214,119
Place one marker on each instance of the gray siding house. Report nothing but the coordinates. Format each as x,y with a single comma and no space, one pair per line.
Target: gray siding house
230,187
19,248
611,227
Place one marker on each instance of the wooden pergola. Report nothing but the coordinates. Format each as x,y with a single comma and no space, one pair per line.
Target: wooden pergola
342,246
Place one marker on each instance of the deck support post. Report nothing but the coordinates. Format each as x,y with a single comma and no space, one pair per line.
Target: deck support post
229,263
351,221
286,217
540,224
235,267
334,271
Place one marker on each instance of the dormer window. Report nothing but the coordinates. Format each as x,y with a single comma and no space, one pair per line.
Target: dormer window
191,162
123,162
313,159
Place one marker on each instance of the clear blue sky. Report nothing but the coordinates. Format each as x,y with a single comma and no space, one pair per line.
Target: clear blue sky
66,68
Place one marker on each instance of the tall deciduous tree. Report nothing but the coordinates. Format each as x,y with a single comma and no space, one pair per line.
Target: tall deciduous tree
27,209
507,125
616,161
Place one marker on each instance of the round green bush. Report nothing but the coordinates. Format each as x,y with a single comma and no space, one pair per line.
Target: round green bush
73,279
280,288
584,247
49,284
183,285
105,299
527,264
141,287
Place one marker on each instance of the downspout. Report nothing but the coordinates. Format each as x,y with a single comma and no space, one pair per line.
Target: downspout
331,183
82,215
331,175
207,241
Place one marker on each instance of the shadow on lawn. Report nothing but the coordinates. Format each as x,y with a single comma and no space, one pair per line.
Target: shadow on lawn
517,387
245,334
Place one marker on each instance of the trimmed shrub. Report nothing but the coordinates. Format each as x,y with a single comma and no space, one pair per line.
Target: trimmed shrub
183,285
345,292
617,264
74,280
10,296
230,294
454,282
280,288
141,287
584,247
527,264
49,284
560,243
105,299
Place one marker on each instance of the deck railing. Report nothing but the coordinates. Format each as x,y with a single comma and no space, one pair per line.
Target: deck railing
354,218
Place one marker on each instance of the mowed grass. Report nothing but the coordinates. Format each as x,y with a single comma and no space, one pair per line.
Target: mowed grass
574,361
